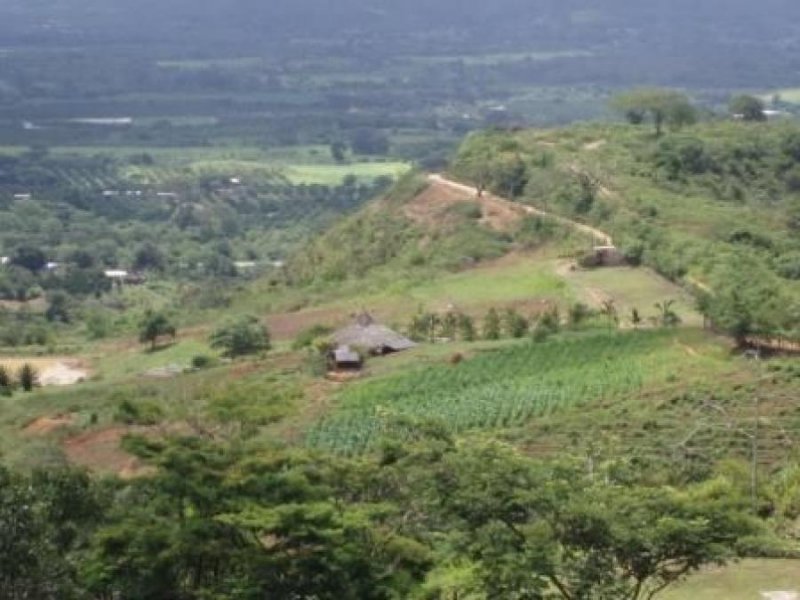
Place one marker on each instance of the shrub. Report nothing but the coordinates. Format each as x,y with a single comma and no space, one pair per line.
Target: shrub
28,378
241,337
578,313
201,361
6,385
307,337
139,413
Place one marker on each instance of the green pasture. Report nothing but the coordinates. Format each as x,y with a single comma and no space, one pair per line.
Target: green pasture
631,288
323,174
745,580
791,95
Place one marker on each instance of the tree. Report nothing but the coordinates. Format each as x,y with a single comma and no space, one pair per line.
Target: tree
28,377
466,328
662,106
536,531
6,385
29,257
338,151
492,325
241,337
748,108
516,326
636,318
667,317
154,326
609,311
149,257
369,141
215,522
746,298
58,308
578,313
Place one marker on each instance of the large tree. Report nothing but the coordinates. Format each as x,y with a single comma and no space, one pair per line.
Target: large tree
537,531
242,336
153,327
660,105
748,108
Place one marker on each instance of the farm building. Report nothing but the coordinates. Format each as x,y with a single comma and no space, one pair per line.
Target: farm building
604,256
369,336
120,276
344,358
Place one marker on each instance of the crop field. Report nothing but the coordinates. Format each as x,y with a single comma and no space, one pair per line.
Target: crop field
631,288
791,95
499,389
101,172
334,174
746,580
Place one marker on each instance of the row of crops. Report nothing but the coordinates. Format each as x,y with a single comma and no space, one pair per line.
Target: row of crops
499,389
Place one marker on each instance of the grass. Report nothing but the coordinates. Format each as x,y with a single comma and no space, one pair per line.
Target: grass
631,288
741,581
13,364
518,280
134,361
334,174
791,95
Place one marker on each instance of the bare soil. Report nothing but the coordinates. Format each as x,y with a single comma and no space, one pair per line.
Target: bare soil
53,371
432,205
100,451
599,236
47,425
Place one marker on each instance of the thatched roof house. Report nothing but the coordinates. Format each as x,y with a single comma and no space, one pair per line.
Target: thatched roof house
368,335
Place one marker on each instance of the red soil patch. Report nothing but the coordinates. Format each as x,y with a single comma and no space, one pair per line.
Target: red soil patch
47,425
100,451
286,326
343,376
431,206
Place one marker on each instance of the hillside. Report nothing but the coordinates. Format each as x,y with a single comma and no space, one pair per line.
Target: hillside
527,358
713,206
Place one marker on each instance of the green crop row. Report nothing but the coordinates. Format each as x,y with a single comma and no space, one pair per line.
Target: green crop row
495,390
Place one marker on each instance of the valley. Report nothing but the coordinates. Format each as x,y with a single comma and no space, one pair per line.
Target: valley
380,301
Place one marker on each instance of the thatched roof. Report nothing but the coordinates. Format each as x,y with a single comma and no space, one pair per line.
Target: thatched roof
368,335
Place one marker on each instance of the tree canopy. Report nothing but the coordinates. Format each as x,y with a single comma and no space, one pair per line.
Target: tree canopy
659,105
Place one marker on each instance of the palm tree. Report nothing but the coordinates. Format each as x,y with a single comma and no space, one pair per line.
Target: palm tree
666,314
609,310
636,318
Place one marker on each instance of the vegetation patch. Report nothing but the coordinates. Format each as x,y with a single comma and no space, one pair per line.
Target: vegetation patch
500,389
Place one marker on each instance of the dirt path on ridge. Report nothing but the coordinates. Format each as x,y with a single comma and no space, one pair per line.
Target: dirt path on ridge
600,237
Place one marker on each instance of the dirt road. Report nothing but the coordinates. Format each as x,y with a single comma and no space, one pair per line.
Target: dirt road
601,238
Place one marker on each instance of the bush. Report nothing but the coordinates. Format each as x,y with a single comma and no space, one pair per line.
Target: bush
139,413
28,378
201,361
241,337
6,384
307,337
578,313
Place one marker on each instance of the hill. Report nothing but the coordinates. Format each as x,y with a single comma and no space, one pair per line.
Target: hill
530,360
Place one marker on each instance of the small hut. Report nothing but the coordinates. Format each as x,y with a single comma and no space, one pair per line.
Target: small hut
344,358
369,336
603,256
